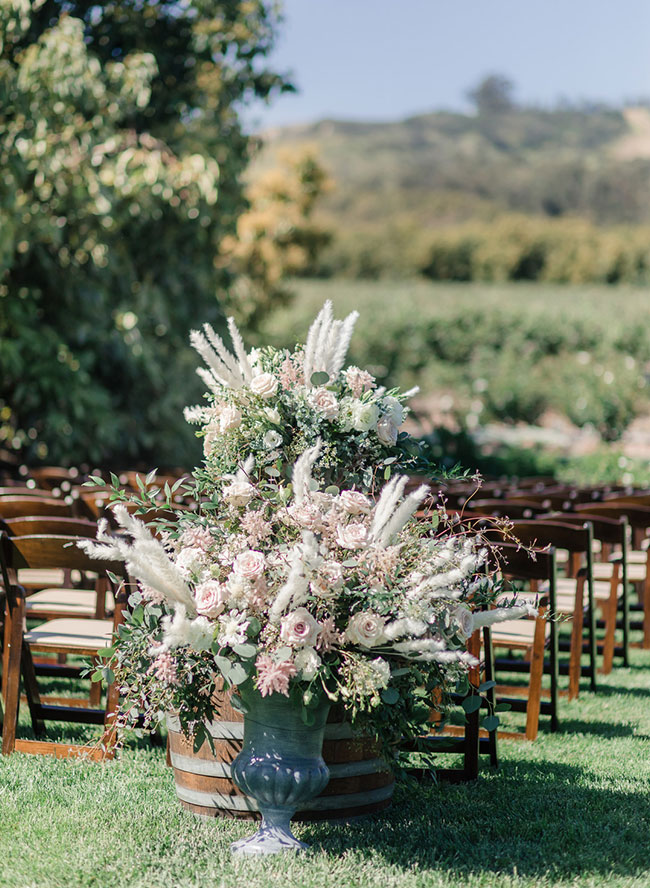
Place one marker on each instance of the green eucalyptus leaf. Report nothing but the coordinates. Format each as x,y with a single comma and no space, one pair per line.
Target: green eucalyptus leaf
471,704
245,650
320,378
390,696
490,723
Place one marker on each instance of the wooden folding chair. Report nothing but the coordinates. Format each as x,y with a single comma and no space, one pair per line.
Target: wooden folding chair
609,581
638,558
61,636
529,636
465,741
571,600
52,594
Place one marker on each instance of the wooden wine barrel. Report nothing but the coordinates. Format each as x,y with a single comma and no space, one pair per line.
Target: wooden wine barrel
359,783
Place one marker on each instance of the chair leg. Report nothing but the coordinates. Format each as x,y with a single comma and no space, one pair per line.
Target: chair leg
109,737
31,689
11,677
576,640
491,695
535,684
610,608
5,652
646,612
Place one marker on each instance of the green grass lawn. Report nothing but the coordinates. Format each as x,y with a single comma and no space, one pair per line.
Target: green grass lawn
572,808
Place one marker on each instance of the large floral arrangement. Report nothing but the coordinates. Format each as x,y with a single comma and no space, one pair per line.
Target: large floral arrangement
281,578
276,404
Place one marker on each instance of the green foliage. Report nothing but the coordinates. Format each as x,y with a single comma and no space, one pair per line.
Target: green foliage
507,353
118,129
513,247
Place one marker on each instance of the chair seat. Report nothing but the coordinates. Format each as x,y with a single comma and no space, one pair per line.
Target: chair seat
82,634
636,572
67,602
516,633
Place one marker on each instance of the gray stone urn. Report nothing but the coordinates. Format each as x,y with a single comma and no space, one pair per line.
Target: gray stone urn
281,765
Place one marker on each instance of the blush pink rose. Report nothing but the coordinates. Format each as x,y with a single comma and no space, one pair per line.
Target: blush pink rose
366,629
299,628
210,598
249,564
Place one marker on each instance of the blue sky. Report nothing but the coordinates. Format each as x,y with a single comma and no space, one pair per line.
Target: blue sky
386,59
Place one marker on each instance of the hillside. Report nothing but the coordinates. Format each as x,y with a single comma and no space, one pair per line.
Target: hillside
392,182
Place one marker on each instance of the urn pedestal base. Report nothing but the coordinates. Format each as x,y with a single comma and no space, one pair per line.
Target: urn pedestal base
281,766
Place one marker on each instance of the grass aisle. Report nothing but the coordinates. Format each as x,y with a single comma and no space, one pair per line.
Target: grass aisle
571,809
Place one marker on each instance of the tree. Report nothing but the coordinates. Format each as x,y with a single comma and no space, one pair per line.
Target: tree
493,95
119,130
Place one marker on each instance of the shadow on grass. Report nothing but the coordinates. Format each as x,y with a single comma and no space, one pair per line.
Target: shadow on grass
599,728
530,819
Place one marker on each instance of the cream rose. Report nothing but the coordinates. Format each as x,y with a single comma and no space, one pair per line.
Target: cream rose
210,598
387,431
364,415
229,418
265,385
239,493
190,561
366,629
299,628
324,402
353,536
249,564
272,439
307,662
354,502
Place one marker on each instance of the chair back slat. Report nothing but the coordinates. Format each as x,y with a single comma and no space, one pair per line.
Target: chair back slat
49,551
561,536
606,530
49,524
20,506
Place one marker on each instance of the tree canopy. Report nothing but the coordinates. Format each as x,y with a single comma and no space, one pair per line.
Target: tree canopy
122,153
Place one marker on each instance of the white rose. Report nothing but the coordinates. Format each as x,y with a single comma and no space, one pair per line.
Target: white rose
299,628
353,536
307,662
265,385
190,561
387,431
366,629
354,502
381,673
364,415
239,493
210,598
229,418
249,564
272,439
394,409
324,402
465,620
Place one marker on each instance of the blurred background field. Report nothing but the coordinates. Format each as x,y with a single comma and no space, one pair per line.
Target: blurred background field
525,377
